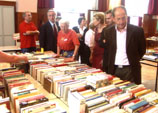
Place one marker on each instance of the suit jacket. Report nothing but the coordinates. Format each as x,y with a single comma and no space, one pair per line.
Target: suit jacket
135,49
47,39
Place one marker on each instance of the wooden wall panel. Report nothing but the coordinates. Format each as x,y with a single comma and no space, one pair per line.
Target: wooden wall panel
149,25
8,3
42,16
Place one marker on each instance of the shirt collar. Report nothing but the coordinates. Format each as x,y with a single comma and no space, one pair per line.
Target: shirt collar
122,29
83,27
51,23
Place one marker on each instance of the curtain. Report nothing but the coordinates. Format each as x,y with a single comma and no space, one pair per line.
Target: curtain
45,3
123,2
103,5
128,20
152,8
140,21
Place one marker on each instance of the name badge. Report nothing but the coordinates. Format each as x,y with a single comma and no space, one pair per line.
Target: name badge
65,39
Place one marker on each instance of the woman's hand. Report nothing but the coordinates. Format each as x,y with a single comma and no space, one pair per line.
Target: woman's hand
71,59
56,55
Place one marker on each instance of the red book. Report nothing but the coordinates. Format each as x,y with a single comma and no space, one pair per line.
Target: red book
5,101
110,77
132,101
114,92
18,84
137,90
58,65
36,97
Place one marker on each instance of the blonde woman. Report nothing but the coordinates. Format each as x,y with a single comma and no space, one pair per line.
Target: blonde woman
97,55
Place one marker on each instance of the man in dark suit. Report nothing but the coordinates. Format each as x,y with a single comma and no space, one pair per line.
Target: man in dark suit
49,32
109,22
125,45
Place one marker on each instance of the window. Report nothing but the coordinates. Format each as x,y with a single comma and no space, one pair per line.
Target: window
71,9
136,9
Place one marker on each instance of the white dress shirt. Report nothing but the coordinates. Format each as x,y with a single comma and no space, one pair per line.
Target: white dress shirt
52,24
121,54
81,30
89,38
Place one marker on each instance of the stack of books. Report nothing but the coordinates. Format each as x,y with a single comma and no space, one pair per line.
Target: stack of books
89,90
24,97
5,105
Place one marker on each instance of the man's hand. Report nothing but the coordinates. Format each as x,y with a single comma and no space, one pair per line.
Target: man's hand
32,32
23,59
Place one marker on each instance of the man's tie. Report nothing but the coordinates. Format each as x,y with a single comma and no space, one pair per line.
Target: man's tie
55,31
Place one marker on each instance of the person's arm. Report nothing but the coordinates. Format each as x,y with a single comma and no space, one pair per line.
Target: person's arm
76,44
32,32
90,58
58,51
75,51
12,58
42,36
142,43
79,35
102,40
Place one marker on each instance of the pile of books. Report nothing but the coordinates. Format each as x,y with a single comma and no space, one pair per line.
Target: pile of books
24,97
58,76
89,90
5,105
119,97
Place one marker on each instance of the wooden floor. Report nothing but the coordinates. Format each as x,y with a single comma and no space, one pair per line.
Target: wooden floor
149,76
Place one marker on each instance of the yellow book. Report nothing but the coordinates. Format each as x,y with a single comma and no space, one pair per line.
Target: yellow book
142,92
116,81
103,89
123,84
86,95
27,95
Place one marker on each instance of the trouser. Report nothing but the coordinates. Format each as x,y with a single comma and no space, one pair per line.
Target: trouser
28,50
81,52
67,54
124,73
86,55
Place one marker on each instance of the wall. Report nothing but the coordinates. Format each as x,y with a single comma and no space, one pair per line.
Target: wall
26,5
9,0
22,6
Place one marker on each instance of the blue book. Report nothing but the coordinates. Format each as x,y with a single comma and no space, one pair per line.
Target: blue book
138,105
95,97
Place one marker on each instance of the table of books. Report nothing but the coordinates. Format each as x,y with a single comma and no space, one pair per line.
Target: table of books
74,88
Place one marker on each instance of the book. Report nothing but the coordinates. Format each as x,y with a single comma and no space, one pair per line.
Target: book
76,102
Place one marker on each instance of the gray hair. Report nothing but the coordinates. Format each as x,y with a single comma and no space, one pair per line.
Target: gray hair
51,10
63,21
122,7
24,13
